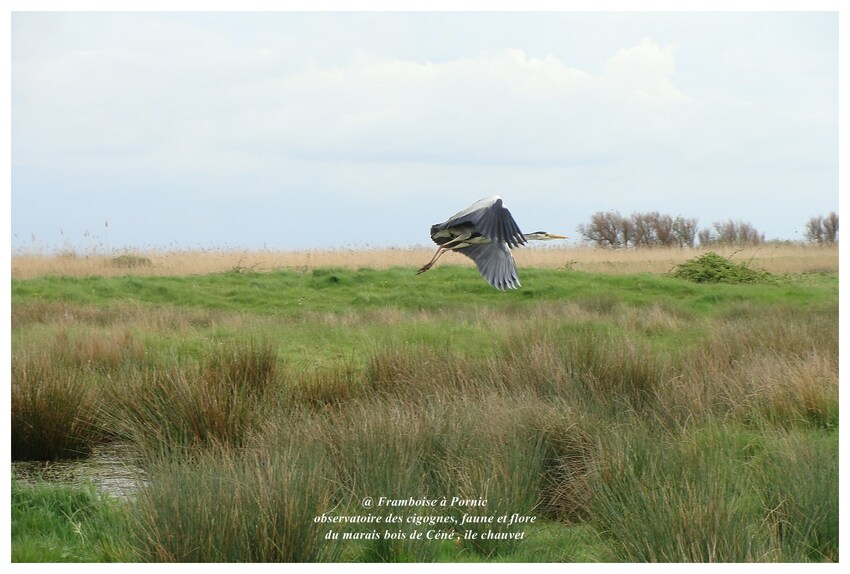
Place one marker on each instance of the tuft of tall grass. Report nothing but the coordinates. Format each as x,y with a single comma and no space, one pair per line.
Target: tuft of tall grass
591,366
248,366
54,409
505,468
500,451
377,448
568,453
678,501
326,387
224,400
800,478
750,370
102,350
415,372
787,391
236,505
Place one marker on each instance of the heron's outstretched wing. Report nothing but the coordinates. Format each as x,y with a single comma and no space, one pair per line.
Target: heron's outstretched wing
495,262
489,218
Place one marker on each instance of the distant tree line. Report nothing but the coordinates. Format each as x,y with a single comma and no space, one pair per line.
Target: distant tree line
651,229
823,230
731,233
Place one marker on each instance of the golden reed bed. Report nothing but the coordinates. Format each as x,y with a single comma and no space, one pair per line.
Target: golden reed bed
775,258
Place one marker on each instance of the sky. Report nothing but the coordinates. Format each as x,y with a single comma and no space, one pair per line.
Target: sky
316,130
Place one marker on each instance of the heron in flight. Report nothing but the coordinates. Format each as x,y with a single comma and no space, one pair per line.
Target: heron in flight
485,232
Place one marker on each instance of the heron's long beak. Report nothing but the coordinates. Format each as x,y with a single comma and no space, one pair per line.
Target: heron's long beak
553,236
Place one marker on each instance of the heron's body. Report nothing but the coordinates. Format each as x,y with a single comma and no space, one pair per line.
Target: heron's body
484,232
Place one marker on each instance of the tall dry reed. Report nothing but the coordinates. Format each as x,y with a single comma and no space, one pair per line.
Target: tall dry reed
778,258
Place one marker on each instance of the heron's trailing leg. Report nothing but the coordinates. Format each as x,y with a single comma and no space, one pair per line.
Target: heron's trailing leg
427,266
455,243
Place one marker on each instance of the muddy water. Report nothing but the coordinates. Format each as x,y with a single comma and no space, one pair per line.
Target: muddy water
109,469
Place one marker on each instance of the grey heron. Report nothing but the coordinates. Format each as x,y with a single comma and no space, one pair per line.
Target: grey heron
485,232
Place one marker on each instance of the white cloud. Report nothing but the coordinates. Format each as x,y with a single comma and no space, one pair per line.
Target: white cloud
644,71
493,107
595,111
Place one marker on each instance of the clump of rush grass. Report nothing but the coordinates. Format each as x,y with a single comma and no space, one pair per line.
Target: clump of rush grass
800,477
98,349
568,453
505,454
586,364
411,371
325,387
795,333
758,369
250,366
616,371
222,401
521,460
229,505
675,501
377,448
786,391
54,409
503,466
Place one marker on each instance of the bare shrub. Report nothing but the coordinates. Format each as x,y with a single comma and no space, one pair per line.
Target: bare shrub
732,232
605,229
685,231
650,229
822,230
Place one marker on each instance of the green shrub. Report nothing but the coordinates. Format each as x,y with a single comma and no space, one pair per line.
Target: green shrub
713,268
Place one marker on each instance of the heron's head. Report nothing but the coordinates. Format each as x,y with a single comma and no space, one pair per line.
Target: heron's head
543,236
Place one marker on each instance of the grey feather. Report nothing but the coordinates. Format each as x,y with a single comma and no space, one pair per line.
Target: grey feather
495,263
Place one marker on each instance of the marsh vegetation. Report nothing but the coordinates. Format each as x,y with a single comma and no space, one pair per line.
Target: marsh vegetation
637,416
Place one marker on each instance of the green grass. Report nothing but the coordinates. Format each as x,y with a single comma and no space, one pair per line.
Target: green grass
636,418
294,293
67,524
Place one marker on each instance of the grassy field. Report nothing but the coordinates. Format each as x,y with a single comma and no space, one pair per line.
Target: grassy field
621,416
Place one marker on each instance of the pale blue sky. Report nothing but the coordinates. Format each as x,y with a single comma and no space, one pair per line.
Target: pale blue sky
317,130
